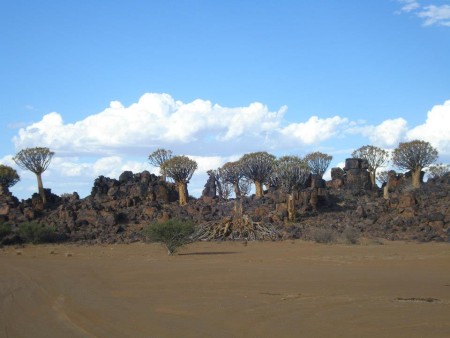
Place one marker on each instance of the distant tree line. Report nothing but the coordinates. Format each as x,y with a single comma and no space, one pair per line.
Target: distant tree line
260,169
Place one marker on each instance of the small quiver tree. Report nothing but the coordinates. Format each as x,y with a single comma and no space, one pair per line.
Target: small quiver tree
8,177
180,169
258,168
414,156
291,173
318,162
158,157
437,171
231,172
35,160
376,158
224,188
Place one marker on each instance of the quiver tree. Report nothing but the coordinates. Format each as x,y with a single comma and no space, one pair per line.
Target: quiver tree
414,156
258,168
231,172
382,177
376,157
35,160
318,162
180,169
222,189
291,173
8,176
245,186
158,157
438,170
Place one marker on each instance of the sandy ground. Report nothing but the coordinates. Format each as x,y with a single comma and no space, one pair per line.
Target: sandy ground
272,289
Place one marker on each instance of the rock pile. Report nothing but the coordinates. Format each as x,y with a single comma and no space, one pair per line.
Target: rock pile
8,205
353,176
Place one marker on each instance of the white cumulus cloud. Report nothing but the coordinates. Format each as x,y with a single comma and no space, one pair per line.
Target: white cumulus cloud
435,15
409,5
316,129
155,119
436,128
388,133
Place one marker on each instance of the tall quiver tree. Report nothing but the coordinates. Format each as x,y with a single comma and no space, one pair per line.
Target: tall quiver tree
376,157
318,162
180,169
414,156
291,173
35,160
158,157
8,177
231,172
258,168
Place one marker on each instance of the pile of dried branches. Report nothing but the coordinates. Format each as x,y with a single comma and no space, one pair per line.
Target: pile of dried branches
236,229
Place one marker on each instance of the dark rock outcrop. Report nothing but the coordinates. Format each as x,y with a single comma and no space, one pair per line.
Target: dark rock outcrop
118,210
210,190
8,205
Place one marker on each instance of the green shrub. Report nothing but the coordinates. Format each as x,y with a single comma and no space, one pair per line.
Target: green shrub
5,230
172,234
37,233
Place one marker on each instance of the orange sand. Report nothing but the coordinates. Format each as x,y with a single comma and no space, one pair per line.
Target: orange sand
264,289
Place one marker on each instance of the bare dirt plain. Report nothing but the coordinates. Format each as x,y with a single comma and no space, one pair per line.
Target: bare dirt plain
264,289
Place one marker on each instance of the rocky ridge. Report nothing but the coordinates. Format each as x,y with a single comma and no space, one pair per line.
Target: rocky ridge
116,211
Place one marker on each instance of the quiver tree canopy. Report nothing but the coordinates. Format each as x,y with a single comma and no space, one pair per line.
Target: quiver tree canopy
318,162
414,156
231,172
180,169
291,173
258,167
438,170
376,157
35,160
8,176
382,176
223,188
158,157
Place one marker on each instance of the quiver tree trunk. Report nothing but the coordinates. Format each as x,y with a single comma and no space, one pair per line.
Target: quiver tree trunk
291,207
182,192
386,189
259,189
237,190
372,178
386,192
41,188
416,177
314,199
238,209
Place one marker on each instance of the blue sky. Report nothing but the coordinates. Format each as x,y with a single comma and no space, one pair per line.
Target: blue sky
104,83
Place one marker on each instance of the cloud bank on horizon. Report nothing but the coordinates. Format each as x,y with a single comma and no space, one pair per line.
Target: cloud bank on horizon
200,128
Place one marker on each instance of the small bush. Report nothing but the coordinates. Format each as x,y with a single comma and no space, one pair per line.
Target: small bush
5,230
172,234
37,233
351,235
324,235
